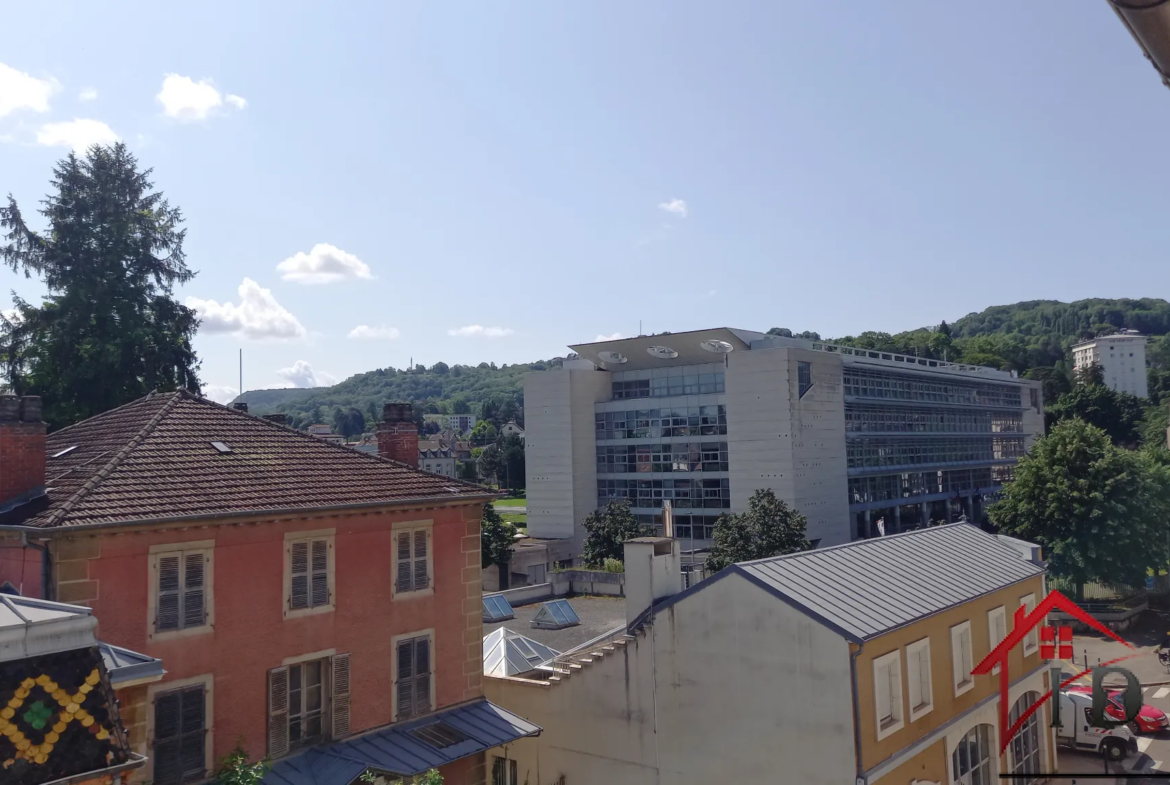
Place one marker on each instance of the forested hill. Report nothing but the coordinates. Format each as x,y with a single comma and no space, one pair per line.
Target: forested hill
1032,338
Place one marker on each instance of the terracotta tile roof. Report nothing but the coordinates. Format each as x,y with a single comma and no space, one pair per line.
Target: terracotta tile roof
154,458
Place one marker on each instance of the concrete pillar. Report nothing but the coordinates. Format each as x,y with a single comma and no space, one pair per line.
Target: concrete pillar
925,514
868,524
897,518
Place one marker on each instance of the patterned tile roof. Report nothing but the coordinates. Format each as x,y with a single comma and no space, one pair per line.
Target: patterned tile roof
158,458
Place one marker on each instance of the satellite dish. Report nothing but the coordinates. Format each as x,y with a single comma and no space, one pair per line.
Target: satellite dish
717,346
612,357
662,352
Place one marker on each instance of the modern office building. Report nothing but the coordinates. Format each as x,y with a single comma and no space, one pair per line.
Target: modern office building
703,419
1122,358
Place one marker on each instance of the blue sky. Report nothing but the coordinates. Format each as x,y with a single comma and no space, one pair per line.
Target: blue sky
491,181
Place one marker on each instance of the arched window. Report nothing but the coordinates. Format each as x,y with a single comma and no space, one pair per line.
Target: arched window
971,762
1026,743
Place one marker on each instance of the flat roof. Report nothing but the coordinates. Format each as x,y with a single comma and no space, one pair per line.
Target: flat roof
598,616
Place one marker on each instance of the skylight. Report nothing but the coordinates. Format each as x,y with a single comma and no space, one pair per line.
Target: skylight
497,608
221,447
66,451
555,615
439,735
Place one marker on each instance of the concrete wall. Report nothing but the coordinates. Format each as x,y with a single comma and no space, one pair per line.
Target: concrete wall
722,688
560,449
1033,417
249,634
794,446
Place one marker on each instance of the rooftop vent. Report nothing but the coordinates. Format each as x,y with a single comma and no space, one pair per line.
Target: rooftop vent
439,735
662,352
66,451
555,615
612,357
220,446
240,407
717,346
497,608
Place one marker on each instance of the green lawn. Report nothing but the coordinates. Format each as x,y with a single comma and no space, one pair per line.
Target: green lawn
518,518
511,501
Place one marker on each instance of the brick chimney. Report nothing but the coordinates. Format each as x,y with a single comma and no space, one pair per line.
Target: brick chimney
22,450
240,407
398,435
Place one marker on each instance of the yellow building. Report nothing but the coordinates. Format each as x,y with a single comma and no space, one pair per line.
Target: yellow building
849,664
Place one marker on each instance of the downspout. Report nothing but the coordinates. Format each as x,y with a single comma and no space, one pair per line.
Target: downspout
47,588
856,713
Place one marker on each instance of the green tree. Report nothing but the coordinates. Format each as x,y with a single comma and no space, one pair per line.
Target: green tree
109,329
1098,511
495,538
605,531
483,432
1090,375
234,768
768,527
441,368
1056,382
490,463
1118,414
460,405
512,461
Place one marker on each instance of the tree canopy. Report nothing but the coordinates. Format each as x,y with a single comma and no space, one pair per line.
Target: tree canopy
109,329
495,538
1119,414
768,527
605,531
1098,510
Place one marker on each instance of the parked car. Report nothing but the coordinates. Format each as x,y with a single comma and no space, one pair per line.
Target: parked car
1077,731
1149,720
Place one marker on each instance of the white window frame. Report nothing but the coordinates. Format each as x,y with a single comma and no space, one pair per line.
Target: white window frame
892,660
1032,638
208,682
183,548
330,536
402,527
961,674
914,657
427,633
994,639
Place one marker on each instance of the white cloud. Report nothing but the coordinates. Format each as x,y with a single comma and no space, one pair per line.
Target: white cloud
88,94
77,134
219,393
675,206
364,332
19,90
301,374
258,315
188,101
325,263
479,331
614,337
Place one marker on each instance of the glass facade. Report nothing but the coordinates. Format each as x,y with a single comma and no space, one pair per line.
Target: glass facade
875,452
662,423
709,493
676,457
887,487
875,418
871,383
688,384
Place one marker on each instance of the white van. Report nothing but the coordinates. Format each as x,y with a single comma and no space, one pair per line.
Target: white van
1077,731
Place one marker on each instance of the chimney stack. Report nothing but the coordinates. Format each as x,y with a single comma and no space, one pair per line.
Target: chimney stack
22,450
653,571
240,407
280,418
398,435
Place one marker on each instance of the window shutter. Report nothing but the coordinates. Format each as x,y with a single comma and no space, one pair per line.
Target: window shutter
194,736
420,559
405,686
167,747
422,675
340,695
320,573
404,581
168,593
194,614
277,712
299,571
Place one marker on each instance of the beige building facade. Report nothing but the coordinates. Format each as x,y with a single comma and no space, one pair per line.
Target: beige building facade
840,665
1122,358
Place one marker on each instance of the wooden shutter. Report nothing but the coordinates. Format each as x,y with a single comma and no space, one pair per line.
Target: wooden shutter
167,744
194,604
405,685
299,571
404,573
420,559
168,593
320,568
422,675
194,736
277,712
340,669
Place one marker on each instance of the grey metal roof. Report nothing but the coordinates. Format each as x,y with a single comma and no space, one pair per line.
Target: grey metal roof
867,588
395,751
124,665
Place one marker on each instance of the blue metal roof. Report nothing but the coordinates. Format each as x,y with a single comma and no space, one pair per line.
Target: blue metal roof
395,750
124,665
